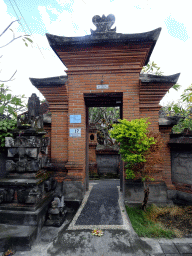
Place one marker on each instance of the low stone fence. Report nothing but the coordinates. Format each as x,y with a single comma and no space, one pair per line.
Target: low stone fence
134,193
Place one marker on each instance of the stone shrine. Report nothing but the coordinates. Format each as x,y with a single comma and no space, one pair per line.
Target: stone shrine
28,188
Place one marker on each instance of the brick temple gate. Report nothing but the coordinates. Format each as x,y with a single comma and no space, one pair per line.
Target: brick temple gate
103,69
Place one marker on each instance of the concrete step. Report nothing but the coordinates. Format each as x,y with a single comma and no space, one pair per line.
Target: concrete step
18,238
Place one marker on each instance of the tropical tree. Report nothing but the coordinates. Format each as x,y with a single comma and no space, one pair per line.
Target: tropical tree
103,118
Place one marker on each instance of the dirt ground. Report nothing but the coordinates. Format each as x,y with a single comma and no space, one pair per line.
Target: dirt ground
178,218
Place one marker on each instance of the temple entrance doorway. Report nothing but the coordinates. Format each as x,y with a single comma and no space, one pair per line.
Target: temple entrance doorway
104,152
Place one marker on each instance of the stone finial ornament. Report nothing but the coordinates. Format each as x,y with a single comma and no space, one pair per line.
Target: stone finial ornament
103,24
33,106
34,117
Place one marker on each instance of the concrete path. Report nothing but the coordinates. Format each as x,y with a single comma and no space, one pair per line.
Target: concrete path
102,208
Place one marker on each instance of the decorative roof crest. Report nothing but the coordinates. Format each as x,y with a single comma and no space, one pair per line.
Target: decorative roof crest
103,24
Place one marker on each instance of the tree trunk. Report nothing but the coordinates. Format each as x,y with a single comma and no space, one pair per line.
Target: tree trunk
146,198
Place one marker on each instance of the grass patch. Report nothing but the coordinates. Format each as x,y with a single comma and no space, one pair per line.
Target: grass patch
145,225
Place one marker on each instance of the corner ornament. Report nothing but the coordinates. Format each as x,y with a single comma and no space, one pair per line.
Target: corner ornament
103,24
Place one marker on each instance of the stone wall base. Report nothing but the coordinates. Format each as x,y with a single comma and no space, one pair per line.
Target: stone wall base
73,190
134,193
180,197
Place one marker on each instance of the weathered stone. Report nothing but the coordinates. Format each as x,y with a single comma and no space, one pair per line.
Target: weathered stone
24,141
12,152
32,152
50,184
44,150
21,165
3,157
103,24
21,152
9,142
44,161
45,142
10,166
10,195
29,196
3,194
32,166
6,195
73,190
33,106
47,185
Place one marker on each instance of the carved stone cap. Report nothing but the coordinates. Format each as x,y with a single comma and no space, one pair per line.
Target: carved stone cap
103,24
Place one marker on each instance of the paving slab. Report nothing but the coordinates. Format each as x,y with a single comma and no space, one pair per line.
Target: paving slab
183,248
156,248
102,207
169,249
113,242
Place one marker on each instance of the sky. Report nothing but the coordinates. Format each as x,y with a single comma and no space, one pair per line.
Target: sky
172,53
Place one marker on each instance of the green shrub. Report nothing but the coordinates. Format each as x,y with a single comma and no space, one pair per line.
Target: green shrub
134,142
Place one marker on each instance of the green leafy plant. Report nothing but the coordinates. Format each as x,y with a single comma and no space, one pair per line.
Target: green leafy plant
6,128
103,118
140,150
134,142
10,105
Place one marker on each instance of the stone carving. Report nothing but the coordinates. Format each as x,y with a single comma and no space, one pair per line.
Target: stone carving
32,152
12,152
6,195
29,196
10,166
21,165
9,142
103,24
32,166
57,211
24,141
50,184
